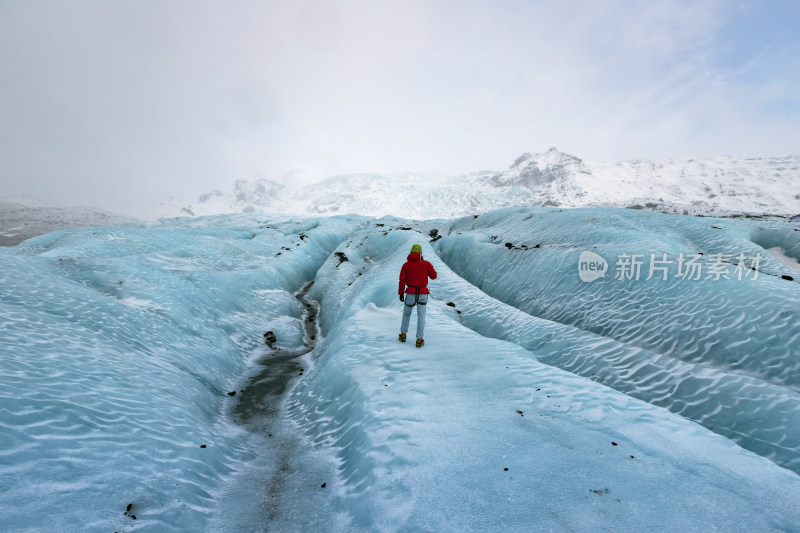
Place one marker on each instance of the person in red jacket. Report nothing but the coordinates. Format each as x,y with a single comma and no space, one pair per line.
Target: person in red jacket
414,291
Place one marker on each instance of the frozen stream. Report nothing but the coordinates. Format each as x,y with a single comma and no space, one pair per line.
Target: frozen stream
260,401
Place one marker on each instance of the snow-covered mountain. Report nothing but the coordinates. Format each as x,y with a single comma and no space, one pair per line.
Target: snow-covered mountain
722,185
246,197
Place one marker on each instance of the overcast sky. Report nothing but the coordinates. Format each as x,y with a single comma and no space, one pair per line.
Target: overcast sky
110,102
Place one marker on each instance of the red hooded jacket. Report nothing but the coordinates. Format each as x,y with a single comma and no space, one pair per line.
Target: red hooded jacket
415,274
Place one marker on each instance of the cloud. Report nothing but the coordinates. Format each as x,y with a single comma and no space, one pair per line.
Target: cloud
115,102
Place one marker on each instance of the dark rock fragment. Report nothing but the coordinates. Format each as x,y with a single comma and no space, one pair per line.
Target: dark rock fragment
270,338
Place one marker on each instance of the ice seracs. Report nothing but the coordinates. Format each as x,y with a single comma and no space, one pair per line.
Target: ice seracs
247,197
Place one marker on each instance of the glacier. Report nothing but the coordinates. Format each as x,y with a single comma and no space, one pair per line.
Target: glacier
539,402
718,185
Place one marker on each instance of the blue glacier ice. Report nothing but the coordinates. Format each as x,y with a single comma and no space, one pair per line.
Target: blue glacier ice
539,402
723,352
119,346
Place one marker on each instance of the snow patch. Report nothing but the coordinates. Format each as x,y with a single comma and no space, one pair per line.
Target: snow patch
789,262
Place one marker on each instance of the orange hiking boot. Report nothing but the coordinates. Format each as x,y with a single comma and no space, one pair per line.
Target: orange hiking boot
402,337
420,343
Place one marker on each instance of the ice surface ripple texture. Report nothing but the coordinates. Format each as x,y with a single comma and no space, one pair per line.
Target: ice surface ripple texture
723,352
472,433
118,346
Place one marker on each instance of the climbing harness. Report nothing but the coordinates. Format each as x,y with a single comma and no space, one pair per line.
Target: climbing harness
416,297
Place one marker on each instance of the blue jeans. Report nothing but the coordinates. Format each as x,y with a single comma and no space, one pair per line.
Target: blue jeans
408,306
